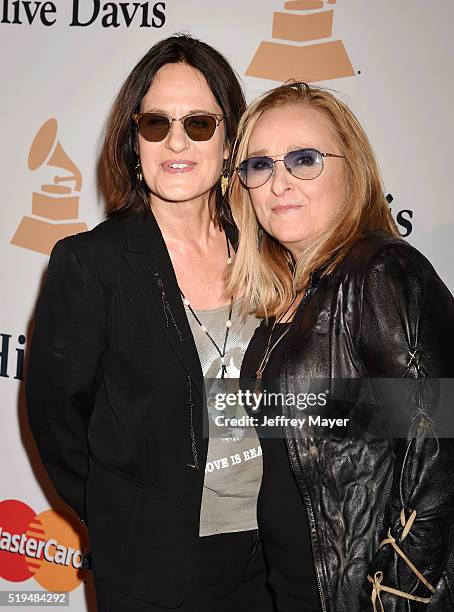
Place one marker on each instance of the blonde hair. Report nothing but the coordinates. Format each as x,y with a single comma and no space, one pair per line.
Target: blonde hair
264,270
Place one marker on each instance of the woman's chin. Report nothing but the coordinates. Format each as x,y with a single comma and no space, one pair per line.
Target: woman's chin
290,239
178,194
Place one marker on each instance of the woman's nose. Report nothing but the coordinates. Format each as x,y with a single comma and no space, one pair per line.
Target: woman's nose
281,180
177,139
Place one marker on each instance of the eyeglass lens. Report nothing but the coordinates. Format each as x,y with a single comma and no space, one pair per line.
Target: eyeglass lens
304,164
154,127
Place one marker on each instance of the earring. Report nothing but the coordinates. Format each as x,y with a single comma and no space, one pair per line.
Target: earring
224,184
224,178
138,170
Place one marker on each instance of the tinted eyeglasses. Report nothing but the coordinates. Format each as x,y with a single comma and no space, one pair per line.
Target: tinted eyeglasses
305,164
154,127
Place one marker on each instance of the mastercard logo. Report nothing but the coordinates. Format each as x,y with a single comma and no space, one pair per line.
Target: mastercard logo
43,546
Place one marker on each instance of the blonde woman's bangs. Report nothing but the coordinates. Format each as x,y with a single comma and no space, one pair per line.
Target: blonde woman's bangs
264,271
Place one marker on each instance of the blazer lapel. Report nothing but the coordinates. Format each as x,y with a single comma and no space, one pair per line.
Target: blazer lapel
149,258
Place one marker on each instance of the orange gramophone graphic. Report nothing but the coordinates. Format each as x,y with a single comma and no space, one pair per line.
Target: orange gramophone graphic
306,62
55,208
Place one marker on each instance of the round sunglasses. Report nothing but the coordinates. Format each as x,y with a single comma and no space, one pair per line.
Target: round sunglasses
305,164
154,127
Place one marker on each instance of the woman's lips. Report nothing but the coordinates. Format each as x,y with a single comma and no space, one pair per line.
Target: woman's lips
283,209
178,166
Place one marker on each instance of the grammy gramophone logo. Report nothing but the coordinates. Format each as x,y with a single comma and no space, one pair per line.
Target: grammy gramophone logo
55,207
305,23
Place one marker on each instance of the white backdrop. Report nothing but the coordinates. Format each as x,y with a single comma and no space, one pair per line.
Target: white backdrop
401,89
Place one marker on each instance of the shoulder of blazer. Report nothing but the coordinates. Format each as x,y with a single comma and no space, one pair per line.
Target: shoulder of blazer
102,244
99,248
102,240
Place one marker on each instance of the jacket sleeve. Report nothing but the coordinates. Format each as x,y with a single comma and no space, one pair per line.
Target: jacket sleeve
407,333
65,362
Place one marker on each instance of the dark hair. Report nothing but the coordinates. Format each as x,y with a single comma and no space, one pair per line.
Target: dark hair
117,166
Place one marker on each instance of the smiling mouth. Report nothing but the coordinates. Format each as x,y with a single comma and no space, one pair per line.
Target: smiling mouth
178,166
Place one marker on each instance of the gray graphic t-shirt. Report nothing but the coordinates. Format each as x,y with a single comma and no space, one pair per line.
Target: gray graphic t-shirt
233,471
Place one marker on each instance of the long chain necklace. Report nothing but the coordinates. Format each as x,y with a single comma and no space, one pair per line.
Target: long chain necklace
270,347
228,323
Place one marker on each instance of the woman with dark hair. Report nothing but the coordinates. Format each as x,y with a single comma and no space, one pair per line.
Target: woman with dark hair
133,315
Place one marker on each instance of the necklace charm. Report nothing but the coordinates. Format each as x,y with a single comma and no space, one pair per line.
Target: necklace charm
225,373
231,370
271,346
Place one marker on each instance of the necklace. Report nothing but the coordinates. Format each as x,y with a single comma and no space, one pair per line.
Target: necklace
270,347
228,323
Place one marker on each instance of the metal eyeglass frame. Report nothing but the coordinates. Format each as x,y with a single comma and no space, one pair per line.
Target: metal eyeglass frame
136,117
237,169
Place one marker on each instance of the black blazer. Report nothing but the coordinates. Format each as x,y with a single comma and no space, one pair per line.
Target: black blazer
114,392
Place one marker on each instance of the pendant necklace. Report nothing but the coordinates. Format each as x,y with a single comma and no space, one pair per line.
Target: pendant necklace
270,347
228,323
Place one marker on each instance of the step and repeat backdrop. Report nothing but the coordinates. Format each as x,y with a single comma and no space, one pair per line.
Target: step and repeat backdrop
63,61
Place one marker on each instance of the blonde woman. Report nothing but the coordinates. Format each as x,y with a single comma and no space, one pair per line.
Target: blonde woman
350,521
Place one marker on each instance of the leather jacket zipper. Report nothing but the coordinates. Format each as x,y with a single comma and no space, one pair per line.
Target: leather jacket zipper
308,504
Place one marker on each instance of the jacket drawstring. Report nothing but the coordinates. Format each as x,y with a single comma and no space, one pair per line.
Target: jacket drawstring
376,581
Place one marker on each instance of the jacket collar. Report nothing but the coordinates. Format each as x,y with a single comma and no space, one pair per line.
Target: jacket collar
149,258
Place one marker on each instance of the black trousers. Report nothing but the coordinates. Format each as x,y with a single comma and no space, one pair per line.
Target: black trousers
229,576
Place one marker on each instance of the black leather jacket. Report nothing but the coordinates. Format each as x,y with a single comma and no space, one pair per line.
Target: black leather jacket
383,313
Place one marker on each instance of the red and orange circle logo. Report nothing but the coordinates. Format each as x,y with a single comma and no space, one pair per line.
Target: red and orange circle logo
44,546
